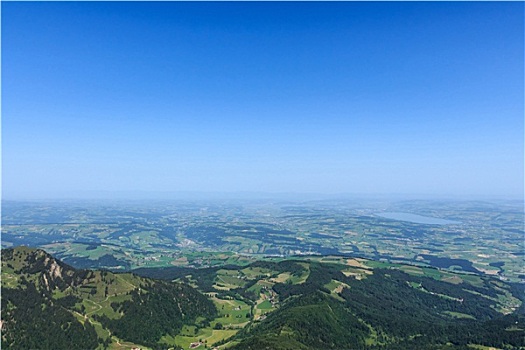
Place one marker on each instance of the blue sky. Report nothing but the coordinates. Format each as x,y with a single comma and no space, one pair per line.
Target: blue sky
341,97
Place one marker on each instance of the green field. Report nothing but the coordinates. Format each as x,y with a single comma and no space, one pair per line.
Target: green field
265,305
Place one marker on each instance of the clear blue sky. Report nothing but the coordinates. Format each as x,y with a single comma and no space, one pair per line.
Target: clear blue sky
341,97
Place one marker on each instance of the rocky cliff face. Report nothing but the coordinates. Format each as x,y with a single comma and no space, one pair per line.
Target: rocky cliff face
35,315
47,304
49,272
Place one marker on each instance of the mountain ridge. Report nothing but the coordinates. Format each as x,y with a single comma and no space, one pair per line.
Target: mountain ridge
39,290
289,304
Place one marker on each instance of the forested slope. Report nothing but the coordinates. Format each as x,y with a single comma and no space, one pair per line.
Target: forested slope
47,304
387,310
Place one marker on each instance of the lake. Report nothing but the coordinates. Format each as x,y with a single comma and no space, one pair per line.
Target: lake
418,219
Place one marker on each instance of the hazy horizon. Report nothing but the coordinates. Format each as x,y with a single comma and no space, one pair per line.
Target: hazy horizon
139,99
203,196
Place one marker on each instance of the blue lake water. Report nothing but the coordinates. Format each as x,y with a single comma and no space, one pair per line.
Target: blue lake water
418,219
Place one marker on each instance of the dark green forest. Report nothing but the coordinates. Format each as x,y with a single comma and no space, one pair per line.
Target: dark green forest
44,307
38,312
41,322
164,308
402,317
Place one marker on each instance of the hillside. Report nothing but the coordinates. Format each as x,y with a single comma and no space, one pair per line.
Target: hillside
320,305
47,304
387,310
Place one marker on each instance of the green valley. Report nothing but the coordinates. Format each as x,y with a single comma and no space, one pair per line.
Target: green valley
326,302
470,236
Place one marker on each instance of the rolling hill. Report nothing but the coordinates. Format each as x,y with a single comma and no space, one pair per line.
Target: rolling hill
309,304
47,304
327,305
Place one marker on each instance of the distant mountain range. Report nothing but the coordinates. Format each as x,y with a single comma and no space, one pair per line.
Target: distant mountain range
291,304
